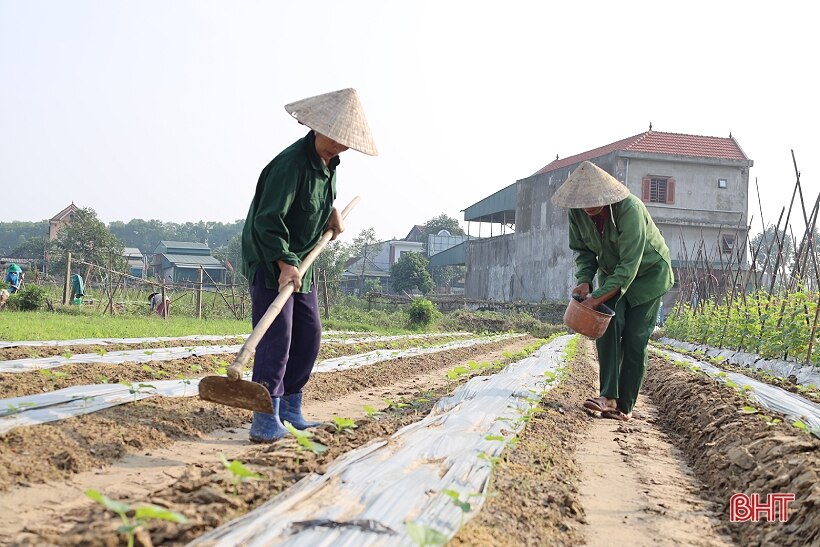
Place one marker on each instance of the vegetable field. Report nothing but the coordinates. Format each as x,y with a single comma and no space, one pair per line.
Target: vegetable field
429,439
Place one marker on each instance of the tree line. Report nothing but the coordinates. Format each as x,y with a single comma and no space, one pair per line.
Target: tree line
90,240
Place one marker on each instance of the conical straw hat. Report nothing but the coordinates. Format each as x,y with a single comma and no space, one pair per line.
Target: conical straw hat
337,115
589,186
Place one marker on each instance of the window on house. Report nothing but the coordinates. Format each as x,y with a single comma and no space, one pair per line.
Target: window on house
722,183
727,243
658,189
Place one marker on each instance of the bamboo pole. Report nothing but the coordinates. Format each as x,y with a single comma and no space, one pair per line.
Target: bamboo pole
67,286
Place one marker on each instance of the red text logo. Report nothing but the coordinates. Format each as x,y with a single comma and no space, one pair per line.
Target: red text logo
745,508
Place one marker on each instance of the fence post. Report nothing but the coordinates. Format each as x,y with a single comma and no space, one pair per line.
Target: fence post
164,305
199,295
67,287
327,298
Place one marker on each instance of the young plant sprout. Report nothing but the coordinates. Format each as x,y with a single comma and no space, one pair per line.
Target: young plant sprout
371,412
343,424
142,514
303,441
239,472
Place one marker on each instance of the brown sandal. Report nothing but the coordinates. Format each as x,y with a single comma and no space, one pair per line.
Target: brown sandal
598,404
615,414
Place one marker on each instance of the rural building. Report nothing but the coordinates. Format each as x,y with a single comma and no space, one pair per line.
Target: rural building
696,188
58,221
376,266
180,261
137,263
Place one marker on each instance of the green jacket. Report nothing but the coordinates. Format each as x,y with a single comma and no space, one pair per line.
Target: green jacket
287,217
631,253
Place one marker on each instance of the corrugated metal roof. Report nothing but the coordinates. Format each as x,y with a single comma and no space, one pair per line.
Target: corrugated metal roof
454,256
131,251
658,142
193,260
499,207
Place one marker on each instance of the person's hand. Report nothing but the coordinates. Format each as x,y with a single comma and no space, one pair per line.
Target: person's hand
289,273
335,223
581,291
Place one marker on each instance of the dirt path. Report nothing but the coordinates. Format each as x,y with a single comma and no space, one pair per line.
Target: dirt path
137,475
636,488
577,479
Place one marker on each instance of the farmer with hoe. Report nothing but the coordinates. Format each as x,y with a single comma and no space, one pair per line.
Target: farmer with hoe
291,209
613,235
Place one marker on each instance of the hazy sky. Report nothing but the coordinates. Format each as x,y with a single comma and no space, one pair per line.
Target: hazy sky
170,110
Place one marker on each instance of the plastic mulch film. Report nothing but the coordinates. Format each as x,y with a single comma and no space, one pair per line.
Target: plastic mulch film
768,396
342,337
169,354
367,496
803,374
376,356
78,400
110,341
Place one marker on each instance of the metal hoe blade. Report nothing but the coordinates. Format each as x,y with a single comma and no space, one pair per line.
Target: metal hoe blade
236,393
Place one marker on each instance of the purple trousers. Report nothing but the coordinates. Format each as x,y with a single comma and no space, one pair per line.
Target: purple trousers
287,352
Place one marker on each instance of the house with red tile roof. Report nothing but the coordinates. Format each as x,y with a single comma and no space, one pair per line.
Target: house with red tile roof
695,187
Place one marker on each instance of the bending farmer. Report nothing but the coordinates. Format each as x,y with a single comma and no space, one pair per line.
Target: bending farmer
291,209
613,235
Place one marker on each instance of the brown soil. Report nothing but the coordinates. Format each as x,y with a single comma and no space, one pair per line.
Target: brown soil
733,452
59,449
534,493
203,491
33,352
19,384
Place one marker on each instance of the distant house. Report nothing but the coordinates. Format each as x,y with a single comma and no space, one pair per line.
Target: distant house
59,220
180,261
377,266
137,265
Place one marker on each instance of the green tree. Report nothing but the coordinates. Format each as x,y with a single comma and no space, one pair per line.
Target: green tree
232,252
445,276
443,222
33,247
15,234
87,239
330,266
366,247
410,272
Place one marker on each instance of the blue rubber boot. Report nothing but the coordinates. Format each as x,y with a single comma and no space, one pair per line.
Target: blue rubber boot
267,428
291,411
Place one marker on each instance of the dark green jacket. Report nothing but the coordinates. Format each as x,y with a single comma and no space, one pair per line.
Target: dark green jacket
631,253
293,201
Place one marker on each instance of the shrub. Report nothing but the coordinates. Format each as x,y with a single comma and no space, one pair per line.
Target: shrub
29,298
422,312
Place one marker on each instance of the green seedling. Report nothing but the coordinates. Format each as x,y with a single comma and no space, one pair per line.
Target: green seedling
748,409
495,438
800,425
101,351
53,374
493,460
195,368
66,354
343,424
138,389
424,535
395,405
473,365
148,352
221,371
372,412
239,472
770,421
464,505
303,441
142,514
185,381
19,407
102,379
